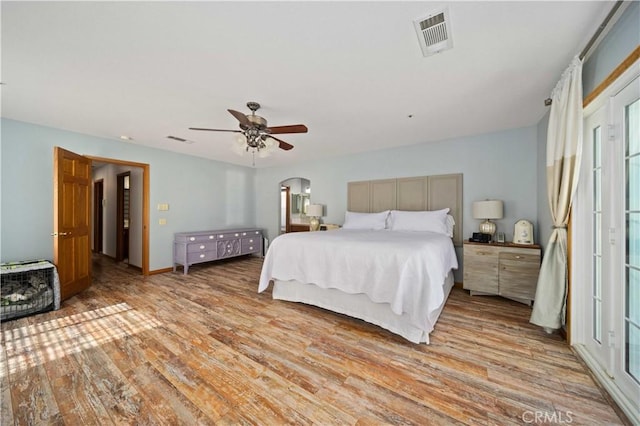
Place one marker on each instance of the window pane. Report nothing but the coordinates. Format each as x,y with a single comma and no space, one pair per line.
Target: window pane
597,320
633,239
633,183
597,233
596,147
633,351
597,190
633,127
597,277
633,295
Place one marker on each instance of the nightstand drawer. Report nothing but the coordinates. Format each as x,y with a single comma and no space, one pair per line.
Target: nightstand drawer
520,257
483,252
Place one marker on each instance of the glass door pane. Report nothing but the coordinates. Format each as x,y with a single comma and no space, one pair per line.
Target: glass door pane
597,236
632,246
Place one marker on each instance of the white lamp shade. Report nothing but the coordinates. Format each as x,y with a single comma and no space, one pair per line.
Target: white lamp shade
314,210
489,209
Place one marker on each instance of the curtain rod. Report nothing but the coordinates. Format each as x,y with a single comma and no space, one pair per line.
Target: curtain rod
597,34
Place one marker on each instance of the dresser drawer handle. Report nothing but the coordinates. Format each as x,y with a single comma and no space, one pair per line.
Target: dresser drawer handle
192,238
250,248
202,247
202,256
244,233
236,235
220,236
211,237
518,257
251,240
257,232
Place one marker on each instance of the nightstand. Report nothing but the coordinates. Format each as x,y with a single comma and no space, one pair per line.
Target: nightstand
502,269
328,226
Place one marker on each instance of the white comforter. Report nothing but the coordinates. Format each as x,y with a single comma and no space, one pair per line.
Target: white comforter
405,269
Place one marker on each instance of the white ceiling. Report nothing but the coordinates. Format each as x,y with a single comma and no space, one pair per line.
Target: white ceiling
353,72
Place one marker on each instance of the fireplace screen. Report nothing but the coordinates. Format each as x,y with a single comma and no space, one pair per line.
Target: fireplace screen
27,288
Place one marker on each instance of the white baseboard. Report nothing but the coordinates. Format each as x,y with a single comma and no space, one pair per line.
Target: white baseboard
629,407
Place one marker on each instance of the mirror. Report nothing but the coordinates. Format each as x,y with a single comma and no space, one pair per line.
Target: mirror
295,197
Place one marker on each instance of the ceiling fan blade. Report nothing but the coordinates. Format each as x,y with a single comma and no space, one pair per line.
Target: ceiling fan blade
240,117
294,128
283,144
215,130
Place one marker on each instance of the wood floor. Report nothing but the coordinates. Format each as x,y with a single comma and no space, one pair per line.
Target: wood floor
208,349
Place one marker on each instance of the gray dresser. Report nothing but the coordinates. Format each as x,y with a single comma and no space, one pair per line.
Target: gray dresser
190,248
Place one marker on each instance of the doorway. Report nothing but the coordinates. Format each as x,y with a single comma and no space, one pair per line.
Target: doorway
138,220
123,216
98,215
295,195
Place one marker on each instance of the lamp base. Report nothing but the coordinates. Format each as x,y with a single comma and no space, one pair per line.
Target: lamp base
488,227
314,224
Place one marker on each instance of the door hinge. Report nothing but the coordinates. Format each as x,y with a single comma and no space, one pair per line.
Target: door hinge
612,131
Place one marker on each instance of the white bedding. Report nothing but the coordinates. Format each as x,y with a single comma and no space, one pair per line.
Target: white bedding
406,270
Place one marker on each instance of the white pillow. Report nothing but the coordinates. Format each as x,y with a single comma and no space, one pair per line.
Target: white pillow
376,221
450,224
433,221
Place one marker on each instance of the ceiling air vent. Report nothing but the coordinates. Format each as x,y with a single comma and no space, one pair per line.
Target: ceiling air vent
434,32
175,138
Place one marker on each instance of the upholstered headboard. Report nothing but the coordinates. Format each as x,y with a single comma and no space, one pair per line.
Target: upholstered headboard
413,193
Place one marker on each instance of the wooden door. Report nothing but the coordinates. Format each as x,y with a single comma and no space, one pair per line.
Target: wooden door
71,221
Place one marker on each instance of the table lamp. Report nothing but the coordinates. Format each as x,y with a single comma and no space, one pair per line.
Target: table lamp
314,211
487,210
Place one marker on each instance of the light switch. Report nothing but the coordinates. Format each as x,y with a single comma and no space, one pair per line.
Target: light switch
162,221
163,207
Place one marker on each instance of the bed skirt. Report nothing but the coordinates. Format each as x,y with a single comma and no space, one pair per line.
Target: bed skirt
360,306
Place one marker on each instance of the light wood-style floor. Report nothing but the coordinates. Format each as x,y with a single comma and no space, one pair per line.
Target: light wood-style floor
207,348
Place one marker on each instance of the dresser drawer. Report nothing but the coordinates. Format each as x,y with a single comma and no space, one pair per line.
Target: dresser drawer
201,257
228,235
251,245
200,247
200,238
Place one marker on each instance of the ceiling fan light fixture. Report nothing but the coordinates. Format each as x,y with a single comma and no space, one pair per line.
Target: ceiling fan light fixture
255,135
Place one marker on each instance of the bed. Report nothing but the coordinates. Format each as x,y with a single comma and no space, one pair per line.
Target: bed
396,280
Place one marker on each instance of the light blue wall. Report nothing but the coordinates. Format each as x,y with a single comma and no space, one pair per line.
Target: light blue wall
619,42
498,165
202,194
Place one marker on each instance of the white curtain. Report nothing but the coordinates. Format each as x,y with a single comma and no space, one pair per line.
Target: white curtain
564,152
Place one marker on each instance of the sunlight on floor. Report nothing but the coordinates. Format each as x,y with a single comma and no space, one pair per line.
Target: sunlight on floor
36,344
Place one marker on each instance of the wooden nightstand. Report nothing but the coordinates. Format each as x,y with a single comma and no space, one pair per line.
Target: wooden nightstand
328,226
507,270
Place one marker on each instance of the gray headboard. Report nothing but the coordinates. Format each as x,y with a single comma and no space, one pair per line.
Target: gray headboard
413,193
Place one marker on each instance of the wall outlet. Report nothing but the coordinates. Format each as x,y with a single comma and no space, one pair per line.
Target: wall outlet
162,222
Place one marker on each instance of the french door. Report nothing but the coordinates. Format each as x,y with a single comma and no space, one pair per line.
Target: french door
606,233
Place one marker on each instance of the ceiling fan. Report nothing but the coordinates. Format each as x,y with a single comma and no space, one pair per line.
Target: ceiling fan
256,132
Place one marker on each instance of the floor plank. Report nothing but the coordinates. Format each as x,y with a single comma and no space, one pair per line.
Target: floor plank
206,348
